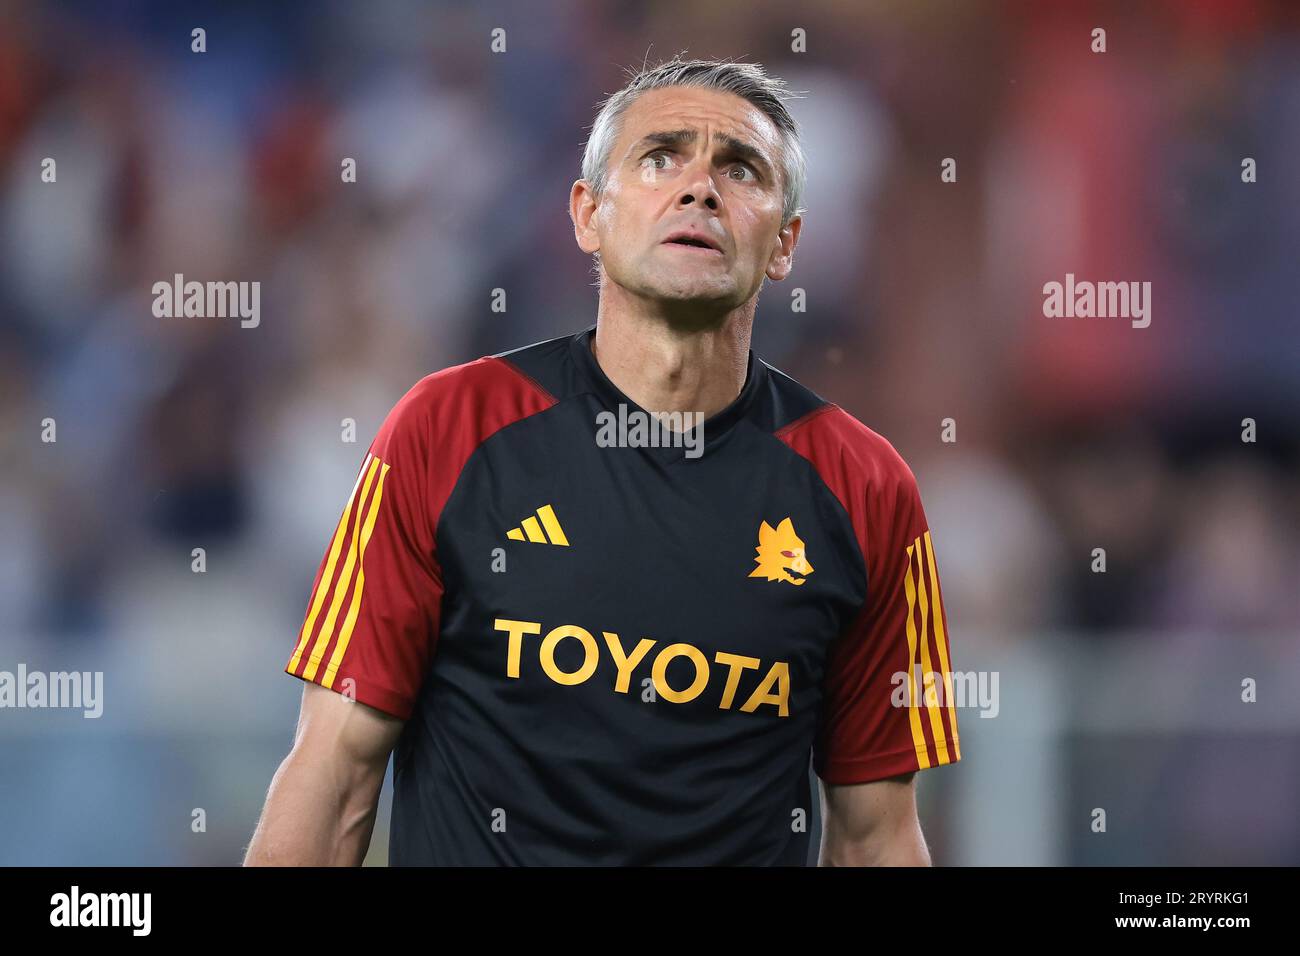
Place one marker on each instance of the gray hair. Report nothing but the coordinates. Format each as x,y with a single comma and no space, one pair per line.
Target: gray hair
746,80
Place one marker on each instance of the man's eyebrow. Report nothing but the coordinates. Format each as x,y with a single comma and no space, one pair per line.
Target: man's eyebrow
680,137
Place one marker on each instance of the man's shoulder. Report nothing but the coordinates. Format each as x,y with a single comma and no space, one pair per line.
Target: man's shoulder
475,398
832,438
487,373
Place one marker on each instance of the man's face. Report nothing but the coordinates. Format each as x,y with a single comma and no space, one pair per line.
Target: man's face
690,161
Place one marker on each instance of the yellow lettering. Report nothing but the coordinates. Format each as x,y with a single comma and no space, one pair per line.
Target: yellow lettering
548,654
660,672
624,663
779,675
774,689
516,630
737,663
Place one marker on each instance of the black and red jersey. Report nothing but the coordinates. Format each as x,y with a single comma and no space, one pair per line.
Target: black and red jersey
628,655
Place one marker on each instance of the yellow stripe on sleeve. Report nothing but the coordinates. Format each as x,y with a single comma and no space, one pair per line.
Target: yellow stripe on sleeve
328,574
913,715
941,640
344,582
345,635
927,672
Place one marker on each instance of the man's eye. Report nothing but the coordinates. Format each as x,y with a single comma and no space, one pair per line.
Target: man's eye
651,158
747,174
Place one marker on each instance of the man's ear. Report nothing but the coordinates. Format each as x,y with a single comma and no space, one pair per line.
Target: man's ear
782,259
582,210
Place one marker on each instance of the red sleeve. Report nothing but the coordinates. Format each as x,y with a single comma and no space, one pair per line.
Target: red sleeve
871,727
372,616
374,613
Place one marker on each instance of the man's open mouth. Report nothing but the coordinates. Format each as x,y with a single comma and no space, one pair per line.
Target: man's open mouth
688,242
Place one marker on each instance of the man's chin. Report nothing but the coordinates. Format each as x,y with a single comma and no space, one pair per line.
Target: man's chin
697,297
718,291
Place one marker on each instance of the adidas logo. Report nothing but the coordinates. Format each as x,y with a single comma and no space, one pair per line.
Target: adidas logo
531,528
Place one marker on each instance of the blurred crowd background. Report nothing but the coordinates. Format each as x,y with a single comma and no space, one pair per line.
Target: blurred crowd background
1118,690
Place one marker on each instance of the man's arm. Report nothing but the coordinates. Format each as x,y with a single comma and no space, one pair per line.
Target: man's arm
320,810
872,824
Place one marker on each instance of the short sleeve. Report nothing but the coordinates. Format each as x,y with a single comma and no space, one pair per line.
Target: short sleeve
875,722
373,613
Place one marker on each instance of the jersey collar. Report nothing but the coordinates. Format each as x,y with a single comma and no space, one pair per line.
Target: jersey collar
715,427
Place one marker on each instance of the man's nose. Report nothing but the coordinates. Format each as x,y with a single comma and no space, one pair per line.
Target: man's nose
698,187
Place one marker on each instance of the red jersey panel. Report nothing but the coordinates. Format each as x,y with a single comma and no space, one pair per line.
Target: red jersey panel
889,698
372,621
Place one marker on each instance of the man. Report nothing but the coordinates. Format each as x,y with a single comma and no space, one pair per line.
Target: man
595,643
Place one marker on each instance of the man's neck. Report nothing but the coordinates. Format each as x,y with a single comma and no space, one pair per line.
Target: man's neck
664,367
